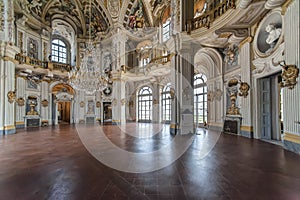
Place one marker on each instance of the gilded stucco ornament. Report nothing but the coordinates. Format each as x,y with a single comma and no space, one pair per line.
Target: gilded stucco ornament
32,111
81,104
233,110
289,75
210,95
123,101
98,104
218,94
115,102
20,101
44,103
244,88
232,92
11,95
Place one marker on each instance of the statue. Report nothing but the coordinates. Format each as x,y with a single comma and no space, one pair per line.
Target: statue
274,34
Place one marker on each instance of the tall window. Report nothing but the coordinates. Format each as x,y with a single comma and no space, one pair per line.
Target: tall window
166,103
146,61
59,51
200,99
166,30
145,104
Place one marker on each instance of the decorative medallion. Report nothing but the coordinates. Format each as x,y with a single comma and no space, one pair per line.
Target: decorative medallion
269,34
107,91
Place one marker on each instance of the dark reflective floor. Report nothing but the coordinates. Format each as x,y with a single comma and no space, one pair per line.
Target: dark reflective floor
52,163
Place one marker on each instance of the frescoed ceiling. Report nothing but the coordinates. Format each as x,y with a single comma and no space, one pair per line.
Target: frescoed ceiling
81,15
90,17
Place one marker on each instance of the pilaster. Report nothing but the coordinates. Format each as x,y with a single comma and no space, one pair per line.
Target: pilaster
45,102
7,88
119,99
246,104
20,105
291,109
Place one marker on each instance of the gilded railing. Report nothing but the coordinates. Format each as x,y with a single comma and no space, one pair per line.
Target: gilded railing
208,17
22,59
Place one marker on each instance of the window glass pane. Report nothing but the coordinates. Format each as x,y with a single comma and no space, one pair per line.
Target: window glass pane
200,98
59,50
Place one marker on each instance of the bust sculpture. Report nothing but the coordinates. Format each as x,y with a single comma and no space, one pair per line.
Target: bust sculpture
273,35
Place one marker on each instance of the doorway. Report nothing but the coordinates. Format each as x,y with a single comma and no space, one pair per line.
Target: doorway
270,108
107,113
63,109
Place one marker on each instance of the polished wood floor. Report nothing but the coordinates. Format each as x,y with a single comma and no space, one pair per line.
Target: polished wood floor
52,163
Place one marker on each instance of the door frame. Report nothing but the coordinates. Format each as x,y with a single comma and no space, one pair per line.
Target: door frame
275,111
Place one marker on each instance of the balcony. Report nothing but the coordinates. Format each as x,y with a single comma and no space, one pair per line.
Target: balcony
35,63
213,13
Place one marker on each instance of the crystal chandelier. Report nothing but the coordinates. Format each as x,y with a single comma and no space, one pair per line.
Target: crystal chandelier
89,77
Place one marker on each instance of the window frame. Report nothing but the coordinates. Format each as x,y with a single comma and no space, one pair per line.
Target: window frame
200,99
66,47
166,30
166,103
145,102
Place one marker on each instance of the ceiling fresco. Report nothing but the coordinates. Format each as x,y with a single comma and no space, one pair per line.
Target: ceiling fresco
91,16
83,15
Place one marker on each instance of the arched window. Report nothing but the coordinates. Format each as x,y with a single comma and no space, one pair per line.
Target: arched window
166,30
166,103
145,104
200,99
59,51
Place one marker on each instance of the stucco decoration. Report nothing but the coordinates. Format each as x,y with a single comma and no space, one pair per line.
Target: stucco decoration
98,104
1,15
231,55
64,96
45,103
20,101
269,34
114,7
32,48
11,95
